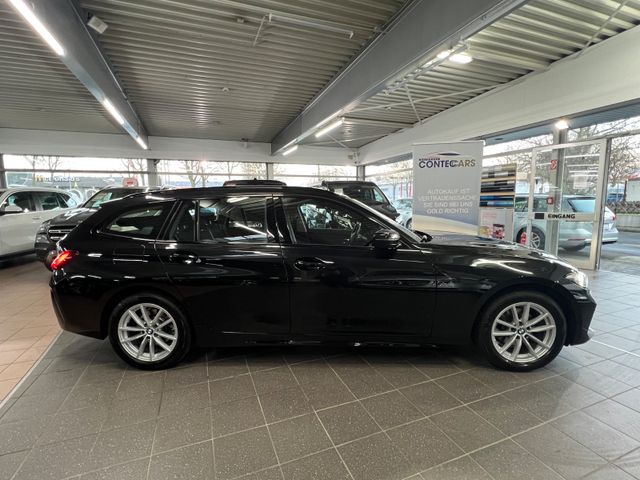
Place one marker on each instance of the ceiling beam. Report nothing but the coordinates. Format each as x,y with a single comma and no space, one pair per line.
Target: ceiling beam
83,57
416,35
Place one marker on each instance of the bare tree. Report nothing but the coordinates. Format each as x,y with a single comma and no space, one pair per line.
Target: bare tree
136,166
51,163
196,171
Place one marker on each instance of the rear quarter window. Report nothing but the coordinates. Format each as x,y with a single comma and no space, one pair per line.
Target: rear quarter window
138,222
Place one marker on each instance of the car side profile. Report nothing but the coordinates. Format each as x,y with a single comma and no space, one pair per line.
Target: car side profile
22,210
271,265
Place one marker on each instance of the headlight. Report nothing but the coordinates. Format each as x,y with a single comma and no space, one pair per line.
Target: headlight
43,228
578,278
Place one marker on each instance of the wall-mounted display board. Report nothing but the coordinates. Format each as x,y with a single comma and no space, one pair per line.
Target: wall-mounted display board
498,187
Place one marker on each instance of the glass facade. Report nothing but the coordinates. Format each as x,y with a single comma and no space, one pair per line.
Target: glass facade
302,175
395,179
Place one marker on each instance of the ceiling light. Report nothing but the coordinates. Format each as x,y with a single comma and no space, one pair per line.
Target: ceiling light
330,127
37,25
113,111
444,54
562,124
141,143
461,58
290,150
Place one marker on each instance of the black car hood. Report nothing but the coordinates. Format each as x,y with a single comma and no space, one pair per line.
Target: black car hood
489,246
72,217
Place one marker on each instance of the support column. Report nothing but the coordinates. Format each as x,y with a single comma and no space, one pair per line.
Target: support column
152,172
553,227
360,172
270,171
3,176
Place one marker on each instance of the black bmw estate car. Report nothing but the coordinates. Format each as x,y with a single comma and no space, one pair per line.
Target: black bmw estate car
159,272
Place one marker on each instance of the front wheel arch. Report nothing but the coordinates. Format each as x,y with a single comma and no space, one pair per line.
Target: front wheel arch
549,290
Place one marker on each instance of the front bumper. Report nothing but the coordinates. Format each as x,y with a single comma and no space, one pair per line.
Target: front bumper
583,311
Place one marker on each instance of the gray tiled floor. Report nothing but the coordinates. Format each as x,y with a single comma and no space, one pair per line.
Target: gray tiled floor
335,414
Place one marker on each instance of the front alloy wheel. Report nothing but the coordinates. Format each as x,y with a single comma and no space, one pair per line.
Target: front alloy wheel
522,331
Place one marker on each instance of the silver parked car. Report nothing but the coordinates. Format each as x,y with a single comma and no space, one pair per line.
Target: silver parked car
573,236
404,206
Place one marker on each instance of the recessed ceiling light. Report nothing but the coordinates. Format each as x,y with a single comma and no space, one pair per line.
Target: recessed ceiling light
444,54
37,25
141,143
330,127
562,124
290,150
462,58
113,111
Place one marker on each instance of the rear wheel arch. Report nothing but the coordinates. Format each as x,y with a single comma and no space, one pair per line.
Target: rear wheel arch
127,292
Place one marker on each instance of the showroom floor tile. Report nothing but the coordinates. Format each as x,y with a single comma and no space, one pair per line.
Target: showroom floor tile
320,413
27,322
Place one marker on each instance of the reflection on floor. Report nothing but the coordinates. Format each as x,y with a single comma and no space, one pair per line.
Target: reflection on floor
27,322
335,414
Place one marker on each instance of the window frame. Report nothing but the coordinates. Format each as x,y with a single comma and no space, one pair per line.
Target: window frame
34,202
285,226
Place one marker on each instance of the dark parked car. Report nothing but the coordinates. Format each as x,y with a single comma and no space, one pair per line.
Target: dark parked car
54,229
162,271
366,192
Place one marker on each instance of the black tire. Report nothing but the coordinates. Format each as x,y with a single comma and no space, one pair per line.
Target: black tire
534,231
484,337
182,331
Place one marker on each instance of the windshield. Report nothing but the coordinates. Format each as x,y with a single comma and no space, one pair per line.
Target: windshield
583,205
111,194
403,204
367,194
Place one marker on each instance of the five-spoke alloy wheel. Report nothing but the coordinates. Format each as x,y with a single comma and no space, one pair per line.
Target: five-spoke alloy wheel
522,331
149,332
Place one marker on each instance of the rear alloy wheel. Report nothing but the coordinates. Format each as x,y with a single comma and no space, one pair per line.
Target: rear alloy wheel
522,331
149,332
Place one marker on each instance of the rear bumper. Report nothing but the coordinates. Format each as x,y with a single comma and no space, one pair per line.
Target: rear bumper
74,313
43,247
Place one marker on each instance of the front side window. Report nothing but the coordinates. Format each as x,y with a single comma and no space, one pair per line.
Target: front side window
234,219
144,222
23,200
324,222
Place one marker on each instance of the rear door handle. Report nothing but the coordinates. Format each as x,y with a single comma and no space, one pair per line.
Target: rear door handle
311,263
184,257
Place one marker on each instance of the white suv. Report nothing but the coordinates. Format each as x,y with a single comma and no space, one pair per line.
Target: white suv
22,210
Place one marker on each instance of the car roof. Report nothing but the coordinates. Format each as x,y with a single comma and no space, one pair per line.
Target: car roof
202,192
347,182
34,189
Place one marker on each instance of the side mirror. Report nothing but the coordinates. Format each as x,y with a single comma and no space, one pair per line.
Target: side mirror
10,209
386,240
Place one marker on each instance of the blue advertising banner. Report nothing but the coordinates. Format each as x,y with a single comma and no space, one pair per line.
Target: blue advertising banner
446,186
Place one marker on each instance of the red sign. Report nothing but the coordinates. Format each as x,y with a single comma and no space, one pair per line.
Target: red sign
130,182
554,164
549,200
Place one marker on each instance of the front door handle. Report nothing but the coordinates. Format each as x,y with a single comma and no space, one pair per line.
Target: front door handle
311,263
184,257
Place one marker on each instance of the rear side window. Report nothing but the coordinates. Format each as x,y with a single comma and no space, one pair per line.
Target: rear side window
234,219
141,222
51,200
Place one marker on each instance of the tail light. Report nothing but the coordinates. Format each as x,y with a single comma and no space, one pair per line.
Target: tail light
63,259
